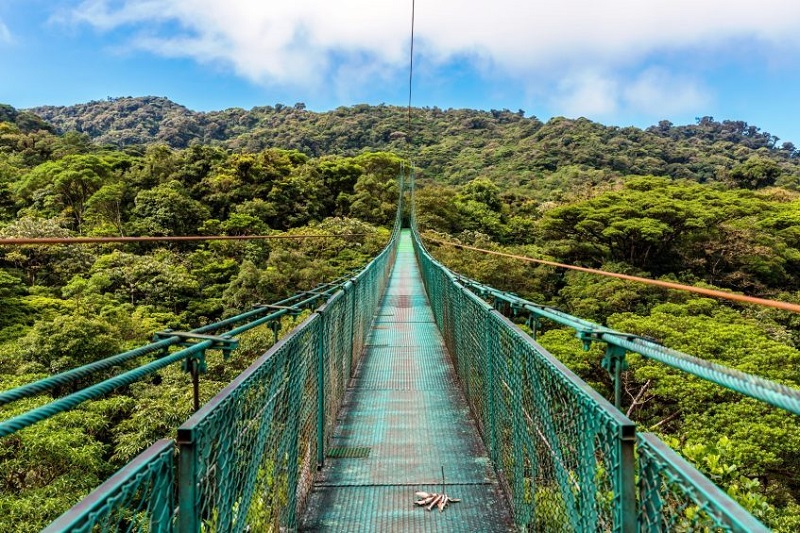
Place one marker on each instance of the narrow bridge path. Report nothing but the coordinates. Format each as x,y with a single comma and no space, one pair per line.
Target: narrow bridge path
404,417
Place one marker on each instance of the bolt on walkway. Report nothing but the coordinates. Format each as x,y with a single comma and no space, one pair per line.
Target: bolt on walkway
405,417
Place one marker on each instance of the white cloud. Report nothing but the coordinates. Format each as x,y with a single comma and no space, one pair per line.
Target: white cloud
577,46
655,92
588,94
5,34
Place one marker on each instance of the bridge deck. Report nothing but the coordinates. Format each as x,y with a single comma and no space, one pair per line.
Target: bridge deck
404,418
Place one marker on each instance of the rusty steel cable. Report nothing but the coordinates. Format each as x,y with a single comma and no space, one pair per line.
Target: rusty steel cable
99,240
785,306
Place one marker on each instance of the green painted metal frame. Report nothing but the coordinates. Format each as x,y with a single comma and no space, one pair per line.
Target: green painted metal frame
276,417
310,388
259,434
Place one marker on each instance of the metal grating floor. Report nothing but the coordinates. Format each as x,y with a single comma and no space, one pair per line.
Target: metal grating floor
405,406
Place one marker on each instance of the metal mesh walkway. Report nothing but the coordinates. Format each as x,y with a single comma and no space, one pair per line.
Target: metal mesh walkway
404,417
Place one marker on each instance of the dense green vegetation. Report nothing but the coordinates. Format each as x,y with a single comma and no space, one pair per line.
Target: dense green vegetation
64,306
712,203
551,160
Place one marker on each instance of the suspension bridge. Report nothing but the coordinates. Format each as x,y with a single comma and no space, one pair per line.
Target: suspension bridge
402,371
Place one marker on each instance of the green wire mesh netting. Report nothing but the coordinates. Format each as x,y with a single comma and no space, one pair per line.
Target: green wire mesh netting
674,496
250,448
138,498
564,453
253,450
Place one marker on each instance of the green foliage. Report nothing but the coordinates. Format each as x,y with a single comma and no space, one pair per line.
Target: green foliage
68,342
550,161
755,173
167,210
695,203
64,186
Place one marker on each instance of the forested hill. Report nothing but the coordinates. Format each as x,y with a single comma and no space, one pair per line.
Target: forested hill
714,203
454,145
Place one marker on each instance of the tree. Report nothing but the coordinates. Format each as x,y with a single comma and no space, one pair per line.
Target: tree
158,280
49,264
63,187
167,210
339,177
755,173
106,205
296,199
244,290
68,342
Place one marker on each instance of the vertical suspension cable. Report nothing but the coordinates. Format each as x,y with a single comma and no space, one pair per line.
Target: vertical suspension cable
411,66
410,87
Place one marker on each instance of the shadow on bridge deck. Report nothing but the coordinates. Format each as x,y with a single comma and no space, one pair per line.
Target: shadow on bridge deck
404,417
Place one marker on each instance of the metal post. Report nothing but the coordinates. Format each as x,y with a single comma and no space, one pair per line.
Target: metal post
297,375
321,352
353,293
614,362
188,512
489,389
626,512
275,326
195,371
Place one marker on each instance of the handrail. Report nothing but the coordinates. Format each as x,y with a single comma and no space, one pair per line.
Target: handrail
762,389
271,424
69,376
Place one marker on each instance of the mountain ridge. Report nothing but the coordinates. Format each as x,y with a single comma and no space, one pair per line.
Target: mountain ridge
455,145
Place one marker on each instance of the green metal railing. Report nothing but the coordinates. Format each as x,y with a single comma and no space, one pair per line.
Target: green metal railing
567,454
247,458
137,498
564,453
673,495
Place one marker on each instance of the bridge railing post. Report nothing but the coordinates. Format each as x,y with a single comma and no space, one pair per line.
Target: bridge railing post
626,481
489,387
355,336
322,350
188,512
296,378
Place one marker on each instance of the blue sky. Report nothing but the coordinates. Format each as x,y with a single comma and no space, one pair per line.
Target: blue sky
620,62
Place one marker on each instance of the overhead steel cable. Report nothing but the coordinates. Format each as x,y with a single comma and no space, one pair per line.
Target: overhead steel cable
48,410
258,314
785,306
103,240
411,66
410,163
762,389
